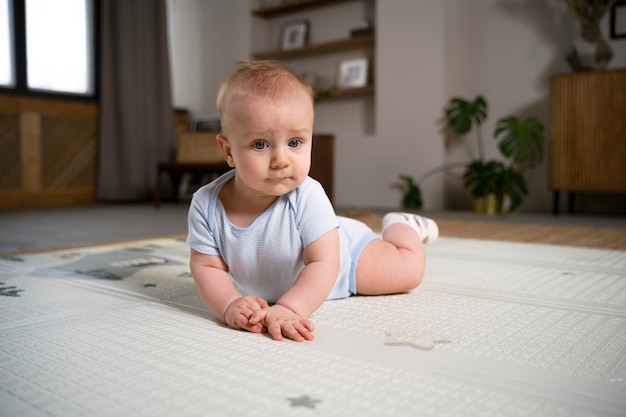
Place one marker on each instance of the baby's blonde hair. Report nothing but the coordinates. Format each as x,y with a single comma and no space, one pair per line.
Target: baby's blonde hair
268,79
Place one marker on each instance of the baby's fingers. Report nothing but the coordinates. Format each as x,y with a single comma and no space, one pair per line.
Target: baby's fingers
257,316
240,322
297,331
262,302
256,328
305,330
275,330
308,324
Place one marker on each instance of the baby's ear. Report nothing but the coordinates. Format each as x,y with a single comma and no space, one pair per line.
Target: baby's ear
222,141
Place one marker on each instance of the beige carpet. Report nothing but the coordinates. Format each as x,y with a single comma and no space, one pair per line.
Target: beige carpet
591,237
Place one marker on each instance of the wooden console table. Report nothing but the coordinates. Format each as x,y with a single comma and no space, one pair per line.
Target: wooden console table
175,170
587,133
322,168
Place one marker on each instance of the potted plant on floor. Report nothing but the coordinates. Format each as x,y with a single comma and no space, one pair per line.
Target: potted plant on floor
491,181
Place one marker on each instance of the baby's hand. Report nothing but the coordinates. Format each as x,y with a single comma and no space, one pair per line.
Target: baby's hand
281,321
247,313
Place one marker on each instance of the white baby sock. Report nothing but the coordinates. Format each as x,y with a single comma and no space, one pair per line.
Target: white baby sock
426,228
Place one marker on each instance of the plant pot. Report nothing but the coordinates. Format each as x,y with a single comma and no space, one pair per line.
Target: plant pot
489,204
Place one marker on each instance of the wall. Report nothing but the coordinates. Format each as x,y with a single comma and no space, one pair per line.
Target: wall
427,52
208,37
410,94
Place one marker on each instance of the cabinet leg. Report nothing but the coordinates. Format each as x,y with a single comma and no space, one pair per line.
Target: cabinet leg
570,202
555,203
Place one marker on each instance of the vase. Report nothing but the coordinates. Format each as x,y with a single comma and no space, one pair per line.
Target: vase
590,51
489,204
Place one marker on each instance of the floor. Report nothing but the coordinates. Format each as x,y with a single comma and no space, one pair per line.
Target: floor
37,229
40,229
495,329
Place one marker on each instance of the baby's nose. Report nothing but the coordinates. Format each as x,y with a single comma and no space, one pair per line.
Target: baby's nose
280,159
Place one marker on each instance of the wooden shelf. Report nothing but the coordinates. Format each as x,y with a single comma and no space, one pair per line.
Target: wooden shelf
293,6
336,93
364,41
319,48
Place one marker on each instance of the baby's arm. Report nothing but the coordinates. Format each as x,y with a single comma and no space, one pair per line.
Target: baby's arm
289,316
216,289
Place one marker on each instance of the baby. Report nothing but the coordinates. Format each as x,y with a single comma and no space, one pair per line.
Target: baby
267,248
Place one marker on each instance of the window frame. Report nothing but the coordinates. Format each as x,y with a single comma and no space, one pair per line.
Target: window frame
18,9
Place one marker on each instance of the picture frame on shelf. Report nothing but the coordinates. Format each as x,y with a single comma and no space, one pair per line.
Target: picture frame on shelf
353,73
294,34
618,20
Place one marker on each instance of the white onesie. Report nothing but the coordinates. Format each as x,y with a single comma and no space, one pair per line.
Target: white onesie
265,258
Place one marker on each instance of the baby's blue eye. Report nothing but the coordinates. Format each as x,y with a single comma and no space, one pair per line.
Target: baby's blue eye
294,143
259,145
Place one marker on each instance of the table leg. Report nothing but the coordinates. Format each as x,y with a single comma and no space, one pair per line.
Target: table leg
175,177
157,191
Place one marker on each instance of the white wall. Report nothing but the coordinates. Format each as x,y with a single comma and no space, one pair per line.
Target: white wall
427,52
409,95
209,37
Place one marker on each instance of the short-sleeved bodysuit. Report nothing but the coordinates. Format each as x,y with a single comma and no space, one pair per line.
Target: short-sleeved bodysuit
265,258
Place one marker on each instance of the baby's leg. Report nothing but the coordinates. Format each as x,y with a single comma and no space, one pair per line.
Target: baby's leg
395,263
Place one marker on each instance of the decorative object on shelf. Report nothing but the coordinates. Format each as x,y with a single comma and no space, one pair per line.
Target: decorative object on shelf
366,28
294,34
521,142
590,51
618,20
352,73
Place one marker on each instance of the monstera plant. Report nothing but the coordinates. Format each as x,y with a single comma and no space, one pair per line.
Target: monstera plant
521,143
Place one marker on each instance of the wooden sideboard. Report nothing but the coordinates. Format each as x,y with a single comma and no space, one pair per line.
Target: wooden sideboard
587,134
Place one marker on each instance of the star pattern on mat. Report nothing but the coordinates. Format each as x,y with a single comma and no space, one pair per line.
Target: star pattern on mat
303,401
418,338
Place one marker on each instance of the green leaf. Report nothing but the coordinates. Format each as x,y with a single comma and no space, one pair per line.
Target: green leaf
412,198
483,178
521,141
515,188
462,114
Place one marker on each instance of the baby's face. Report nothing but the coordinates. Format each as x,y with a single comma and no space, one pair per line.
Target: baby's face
269,142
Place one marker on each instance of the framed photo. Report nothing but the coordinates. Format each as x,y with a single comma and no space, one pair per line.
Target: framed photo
618,20
294,34
352,73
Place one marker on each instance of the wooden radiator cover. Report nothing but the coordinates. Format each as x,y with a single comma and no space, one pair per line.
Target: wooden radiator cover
47,152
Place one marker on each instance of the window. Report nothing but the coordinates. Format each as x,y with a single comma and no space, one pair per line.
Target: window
51,46
7,75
